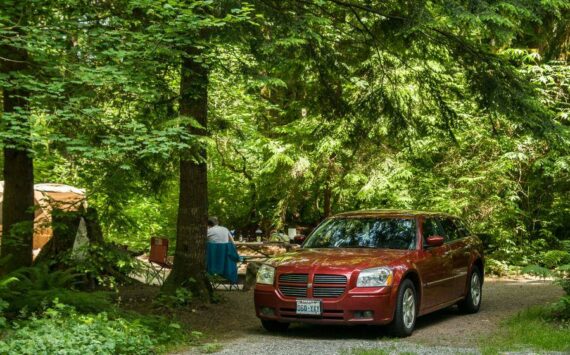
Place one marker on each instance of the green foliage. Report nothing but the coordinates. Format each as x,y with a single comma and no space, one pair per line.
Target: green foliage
514,334
537,270
4,282
180,298
497,267
563,280
105,264
561,274
314,108
560,310
36,287
63,329
554,258
40,277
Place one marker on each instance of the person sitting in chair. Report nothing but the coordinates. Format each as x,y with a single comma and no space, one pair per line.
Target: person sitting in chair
221,253
217,233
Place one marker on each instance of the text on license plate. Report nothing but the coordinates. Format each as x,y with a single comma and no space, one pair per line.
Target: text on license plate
312,307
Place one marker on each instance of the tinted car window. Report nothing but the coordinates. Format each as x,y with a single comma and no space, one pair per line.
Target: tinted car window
462,231
432,227
388,233
450,230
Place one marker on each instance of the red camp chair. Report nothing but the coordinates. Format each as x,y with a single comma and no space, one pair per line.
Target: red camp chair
159,257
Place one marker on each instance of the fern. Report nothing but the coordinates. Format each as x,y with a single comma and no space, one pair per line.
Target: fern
33,288
41,278
537,270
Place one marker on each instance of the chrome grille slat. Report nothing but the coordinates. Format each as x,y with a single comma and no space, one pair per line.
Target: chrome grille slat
328,292
293,291
295,285
294,278
330,279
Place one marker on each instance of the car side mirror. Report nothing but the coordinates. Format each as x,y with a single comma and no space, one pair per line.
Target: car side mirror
434,240
299,239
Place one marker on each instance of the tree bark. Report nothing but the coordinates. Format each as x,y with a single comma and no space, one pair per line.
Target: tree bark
94,231
327,200
189,269
64,226
18,199
327,208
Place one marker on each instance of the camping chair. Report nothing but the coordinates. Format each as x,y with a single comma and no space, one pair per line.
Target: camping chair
221,263
158,260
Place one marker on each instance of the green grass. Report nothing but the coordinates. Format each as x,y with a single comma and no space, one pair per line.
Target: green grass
530,330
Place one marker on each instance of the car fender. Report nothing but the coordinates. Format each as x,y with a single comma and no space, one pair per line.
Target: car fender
401,272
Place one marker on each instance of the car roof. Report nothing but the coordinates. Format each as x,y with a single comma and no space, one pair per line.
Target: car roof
390,213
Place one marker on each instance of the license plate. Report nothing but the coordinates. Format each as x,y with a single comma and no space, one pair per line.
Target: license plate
312,307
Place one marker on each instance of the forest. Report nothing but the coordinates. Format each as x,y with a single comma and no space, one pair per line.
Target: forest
269,114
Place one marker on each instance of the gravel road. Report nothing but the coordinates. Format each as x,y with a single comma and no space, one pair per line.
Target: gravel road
444,332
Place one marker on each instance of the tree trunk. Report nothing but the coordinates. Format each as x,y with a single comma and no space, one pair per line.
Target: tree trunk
327,208
64,226
327,201
189,269
94,231
18,200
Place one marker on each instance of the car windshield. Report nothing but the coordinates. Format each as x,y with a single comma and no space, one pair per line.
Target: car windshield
386,233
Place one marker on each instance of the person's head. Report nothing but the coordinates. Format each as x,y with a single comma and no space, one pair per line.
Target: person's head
213,221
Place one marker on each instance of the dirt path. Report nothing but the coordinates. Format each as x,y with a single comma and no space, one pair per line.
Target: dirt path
234,324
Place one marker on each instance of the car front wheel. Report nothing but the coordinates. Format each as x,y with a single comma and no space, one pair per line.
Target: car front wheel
406,310
472,300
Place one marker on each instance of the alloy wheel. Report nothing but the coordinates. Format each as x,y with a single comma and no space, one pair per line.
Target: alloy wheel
475,289
409,308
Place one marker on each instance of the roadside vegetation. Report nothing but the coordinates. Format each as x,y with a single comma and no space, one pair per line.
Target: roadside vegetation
270,114
536,329
49,312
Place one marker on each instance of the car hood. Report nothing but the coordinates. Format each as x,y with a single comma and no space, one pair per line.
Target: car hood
339,257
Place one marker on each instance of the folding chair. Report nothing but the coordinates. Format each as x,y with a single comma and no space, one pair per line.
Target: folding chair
222,259
158,260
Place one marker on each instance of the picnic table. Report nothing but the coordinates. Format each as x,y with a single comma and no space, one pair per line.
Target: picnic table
264,249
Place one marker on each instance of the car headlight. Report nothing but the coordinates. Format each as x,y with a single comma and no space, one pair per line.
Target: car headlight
266,275
375,277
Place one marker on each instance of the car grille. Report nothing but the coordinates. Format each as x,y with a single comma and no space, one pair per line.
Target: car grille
294,278
293,291
328,292
295,285
330,279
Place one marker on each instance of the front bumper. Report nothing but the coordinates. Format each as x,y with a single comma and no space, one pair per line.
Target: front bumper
349,308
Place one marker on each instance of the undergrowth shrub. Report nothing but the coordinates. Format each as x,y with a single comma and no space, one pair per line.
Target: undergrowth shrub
104,265
554,258
33,288
561,309
181,297
4,282
496,267
63,331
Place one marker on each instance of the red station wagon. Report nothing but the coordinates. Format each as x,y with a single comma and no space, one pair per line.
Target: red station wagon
373,267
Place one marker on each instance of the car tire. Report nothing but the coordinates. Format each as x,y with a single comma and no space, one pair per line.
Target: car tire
472,301
274,326
405,314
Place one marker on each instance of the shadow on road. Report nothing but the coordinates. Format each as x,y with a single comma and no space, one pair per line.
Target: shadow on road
312,331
